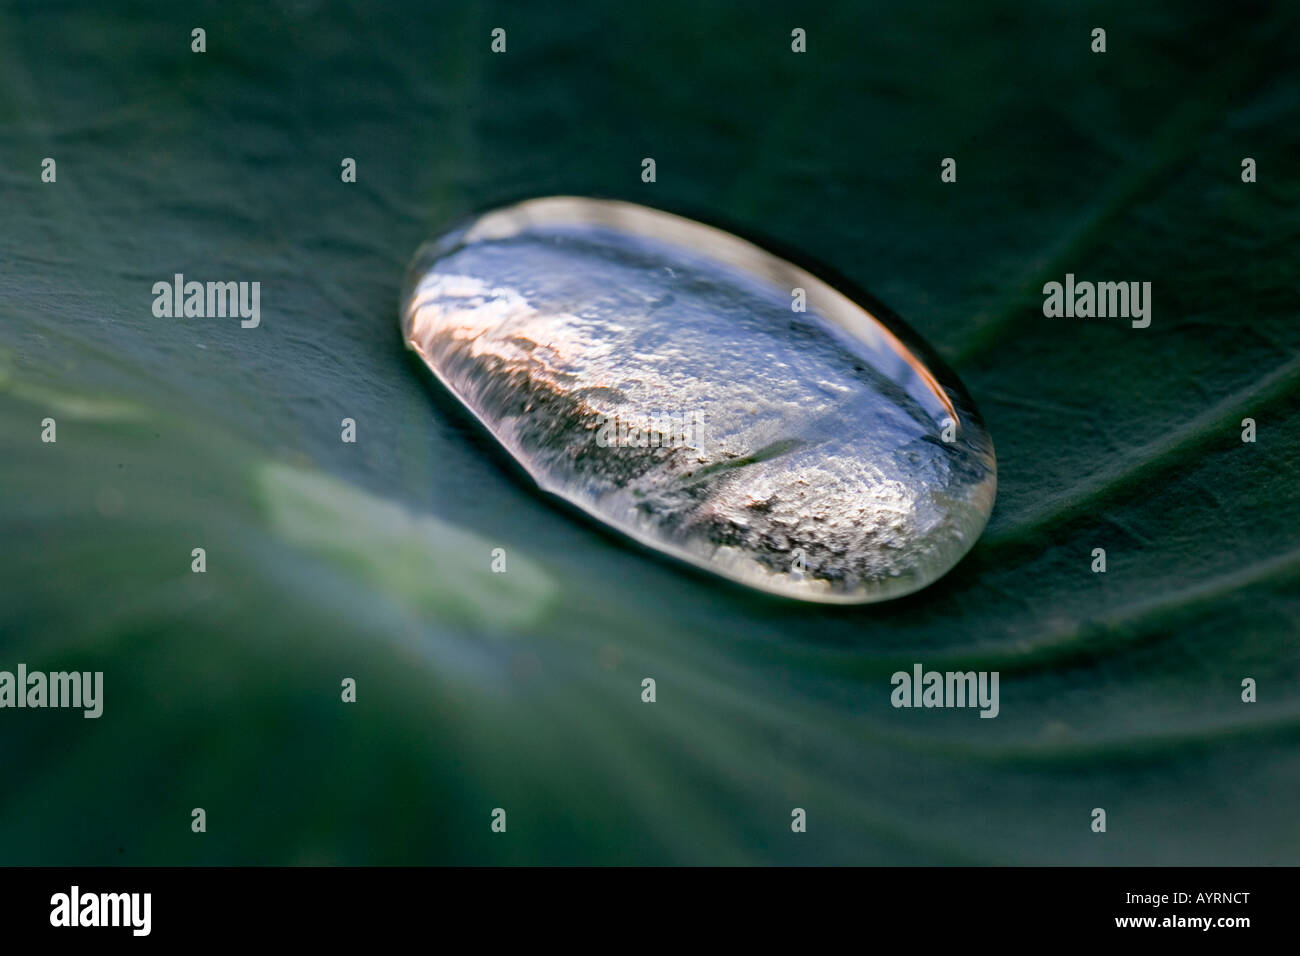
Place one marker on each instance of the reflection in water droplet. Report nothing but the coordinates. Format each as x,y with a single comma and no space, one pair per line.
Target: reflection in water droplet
652,371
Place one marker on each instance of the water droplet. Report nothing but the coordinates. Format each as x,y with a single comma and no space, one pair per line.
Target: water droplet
652,371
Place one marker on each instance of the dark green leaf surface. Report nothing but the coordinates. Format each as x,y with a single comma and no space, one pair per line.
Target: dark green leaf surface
522,691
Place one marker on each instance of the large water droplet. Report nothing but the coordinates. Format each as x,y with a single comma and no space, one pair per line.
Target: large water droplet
656,373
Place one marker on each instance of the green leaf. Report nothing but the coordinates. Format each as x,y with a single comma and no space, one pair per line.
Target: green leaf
521,690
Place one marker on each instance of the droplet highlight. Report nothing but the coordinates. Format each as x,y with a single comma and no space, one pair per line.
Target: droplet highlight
706,398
